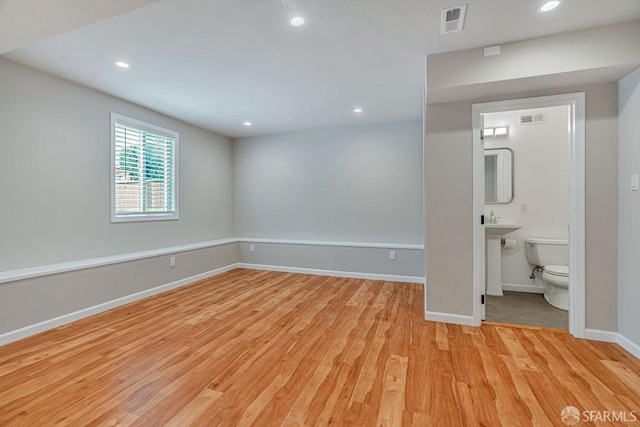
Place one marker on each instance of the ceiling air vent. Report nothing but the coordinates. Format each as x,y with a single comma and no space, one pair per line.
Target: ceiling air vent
452,19
531,119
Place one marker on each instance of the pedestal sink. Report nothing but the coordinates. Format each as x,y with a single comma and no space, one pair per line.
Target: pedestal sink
494,234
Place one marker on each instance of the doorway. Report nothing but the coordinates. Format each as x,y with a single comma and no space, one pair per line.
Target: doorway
488,239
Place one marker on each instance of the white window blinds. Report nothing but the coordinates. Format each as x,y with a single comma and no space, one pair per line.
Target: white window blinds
144,171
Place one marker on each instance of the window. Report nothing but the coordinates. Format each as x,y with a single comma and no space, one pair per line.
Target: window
144,170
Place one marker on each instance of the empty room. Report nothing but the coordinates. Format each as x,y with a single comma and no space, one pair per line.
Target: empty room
319,212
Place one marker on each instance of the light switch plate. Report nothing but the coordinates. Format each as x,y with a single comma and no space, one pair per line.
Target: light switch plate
492,50
634,182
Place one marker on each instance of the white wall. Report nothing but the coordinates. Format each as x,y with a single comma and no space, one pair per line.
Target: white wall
349,184
541,182
55,175
629,208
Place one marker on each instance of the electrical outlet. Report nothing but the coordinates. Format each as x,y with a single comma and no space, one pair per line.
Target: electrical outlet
524,208
252,248
392,255
172,261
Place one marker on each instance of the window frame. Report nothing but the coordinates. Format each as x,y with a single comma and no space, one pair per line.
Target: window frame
144,126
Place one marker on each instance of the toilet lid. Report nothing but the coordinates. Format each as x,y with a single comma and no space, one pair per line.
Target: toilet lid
557,270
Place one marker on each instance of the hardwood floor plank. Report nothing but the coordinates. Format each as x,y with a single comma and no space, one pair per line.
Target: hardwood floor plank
261,348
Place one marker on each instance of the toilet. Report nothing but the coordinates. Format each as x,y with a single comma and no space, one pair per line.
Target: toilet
553,256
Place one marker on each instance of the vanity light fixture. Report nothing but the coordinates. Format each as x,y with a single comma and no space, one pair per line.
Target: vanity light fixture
498,132
501,131
122,64
298,21
548,6
248,124
357,110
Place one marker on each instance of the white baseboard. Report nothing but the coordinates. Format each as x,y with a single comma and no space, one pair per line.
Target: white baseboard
598,335
628,345
457,319
531,289
349,274
607,336
89,311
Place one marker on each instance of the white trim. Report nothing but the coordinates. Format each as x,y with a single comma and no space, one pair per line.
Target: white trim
115,118
616,337
45,270
531,289
478,203
456,319
349,274
89,311
628,345
335,244
577,135
598,335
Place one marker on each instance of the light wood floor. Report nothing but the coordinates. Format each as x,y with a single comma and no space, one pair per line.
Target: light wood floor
270,349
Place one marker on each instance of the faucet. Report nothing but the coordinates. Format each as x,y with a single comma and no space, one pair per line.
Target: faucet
493,219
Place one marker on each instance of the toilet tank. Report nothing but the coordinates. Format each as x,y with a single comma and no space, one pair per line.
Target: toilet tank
543,252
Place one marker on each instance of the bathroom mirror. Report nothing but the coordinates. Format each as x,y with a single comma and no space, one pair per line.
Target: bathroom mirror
498,175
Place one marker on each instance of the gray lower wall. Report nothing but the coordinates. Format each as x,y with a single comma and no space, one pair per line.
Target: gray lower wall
449,240
409,262
629,209
24,303
27,302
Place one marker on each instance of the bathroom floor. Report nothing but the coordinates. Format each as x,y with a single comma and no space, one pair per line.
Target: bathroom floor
522,308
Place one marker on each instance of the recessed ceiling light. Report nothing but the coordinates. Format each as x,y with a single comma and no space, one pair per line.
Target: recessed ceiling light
549,5
357,110
298,21
122,64
248,124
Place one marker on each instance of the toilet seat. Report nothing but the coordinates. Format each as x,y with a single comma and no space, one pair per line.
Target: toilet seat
557,270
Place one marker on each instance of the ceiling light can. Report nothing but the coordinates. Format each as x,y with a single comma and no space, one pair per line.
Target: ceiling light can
297,21
548,5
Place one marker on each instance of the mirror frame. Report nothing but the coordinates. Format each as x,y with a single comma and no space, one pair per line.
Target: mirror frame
513,187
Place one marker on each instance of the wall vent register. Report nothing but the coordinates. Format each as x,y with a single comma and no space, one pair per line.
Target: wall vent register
531,119
452,20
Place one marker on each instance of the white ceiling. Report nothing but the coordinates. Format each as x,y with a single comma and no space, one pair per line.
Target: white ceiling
23,22
218,63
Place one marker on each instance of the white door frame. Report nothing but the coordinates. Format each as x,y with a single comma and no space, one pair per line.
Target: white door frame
576,102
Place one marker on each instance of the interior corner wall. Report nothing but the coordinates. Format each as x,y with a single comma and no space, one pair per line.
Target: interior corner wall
629,209
449,203
55,175
356,184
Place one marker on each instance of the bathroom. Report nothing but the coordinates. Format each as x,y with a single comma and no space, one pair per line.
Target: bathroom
527,166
